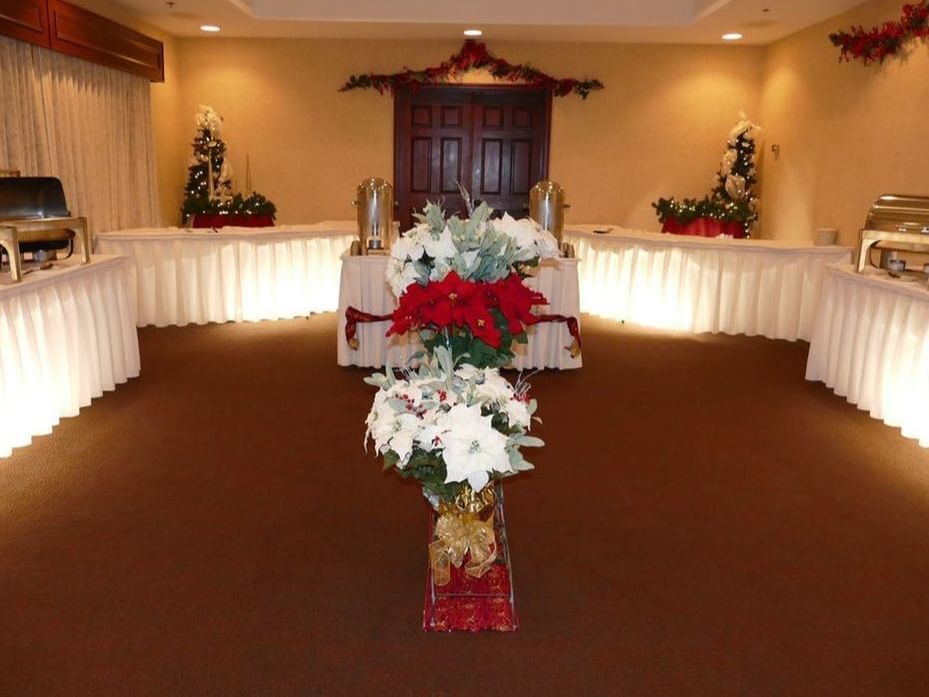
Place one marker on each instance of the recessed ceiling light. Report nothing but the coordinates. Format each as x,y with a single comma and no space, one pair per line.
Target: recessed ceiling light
209,27
473,32
732,36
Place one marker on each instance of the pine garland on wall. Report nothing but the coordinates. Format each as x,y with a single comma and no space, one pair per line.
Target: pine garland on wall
473,55
888,39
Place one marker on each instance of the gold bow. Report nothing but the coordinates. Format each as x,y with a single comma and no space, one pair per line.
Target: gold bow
464,526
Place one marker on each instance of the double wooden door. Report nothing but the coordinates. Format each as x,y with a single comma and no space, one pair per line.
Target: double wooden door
492,140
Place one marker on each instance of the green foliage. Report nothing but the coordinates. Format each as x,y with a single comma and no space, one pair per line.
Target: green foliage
690,209
464,347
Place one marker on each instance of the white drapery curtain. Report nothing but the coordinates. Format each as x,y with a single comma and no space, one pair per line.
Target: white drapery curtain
86,124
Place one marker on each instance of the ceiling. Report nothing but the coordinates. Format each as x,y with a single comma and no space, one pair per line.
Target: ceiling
647,21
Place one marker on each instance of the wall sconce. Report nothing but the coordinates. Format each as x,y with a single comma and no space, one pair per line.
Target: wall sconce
776,149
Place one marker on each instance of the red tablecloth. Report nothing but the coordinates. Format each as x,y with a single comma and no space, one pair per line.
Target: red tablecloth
704,227
208,220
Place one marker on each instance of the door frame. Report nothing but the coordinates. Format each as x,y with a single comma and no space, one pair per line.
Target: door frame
409,90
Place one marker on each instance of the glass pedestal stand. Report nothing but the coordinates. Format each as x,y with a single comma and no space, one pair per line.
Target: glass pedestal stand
468,604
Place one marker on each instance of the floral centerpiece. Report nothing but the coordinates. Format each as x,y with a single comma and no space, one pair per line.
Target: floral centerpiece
453,423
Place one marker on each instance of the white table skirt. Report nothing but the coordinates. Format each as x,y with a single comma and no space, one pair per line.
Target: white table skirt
239,274
697,284
66,336
871,345
364,287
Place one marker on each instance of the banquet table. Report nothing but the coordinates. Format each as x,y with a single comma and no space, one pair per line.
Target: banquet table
364,287
871,345
699,284
66,335
183,276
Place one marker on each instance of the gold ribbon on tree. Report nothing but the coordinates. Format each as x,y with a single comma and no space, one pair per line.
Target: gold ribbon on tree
466,525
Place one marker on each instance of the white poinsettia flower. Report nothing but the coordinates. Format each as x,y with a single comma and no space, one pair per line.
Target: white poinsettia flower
517,413
400,277
441,247
407,247
473,449
493,387
531,240
405,427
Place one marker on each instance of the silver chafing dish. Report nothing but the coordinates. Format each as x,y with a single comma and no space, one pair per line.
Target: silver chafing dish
35,220
895,223
546,207
375,203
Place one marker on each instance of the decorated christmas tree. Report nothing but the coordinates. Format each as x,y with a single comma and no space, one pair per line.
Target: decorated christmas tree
209,188
209,175
736,177
733,199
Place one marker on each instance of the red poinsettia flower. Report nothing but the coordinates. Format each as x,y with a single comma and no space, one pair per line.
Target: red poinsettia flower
409,312
515,301
451,302
460,303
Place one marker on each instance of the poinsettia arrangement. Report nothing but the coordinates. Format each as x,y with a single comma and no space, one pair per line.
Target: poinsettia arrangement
454,424
459,282
449,426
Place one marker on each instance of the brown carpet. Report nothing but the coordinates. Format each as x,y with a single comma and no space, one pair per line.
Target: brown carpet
702,522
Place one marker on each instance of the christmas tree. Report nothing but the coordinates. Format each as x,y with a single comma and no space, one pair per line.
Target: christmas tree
209,177
209,188
733,198
736,177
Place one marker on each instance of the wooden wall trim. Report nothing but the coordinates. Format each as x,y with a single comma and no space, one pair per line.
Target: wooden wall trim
77,32
26,20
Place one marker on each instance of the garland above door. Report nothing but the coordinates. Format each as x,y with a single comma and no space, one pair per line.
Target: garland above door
473,55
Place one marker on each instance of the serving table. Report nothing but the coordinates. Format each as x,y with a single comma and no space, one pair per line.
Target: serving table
363,287
183,276
871,345
698,284
66,335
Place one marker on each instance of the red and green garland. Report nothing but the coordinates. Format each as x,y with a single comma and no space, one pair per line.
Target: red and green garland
879,42
473,55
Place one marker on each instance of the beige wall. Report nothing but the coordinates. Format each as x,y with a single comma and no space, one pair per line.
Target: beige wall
657,129
847,132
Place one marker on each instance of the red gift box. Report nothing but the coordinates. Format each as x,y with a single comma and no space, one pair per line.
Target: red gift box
468,604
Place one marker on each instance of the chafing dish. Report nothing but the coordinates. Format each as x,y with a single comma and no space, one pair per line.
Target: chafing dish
895,223
34,219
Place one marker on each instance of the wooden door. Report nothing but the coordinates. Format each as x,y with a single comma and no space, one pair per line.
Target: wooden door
493,140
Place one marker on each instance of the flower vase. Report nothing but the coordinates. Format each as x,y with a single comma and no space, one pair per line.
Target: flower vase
458,601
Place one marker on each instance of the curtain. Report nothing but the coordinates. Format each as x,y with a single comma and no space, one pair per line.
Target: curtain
88,125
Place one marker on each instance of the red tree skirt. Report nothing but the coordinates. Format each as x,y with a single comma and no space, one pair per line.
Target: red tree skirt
210,220
468,604
704,227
